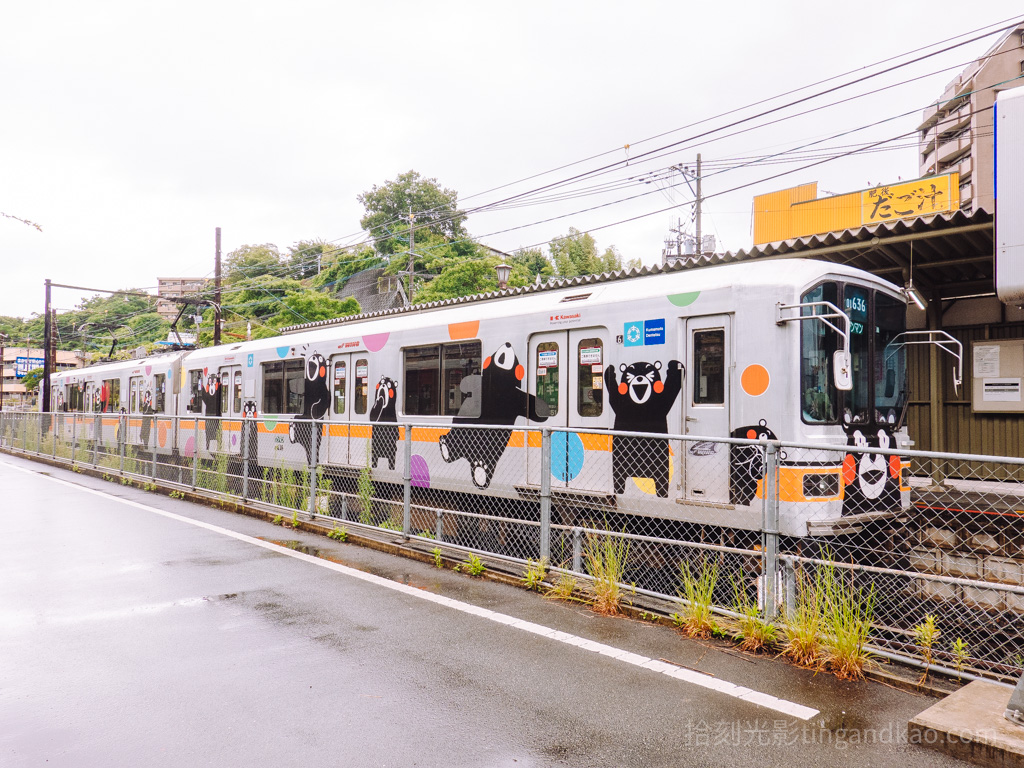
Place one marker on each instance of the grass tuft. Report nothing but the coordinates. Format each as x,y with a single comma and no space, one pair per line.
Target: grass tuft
695,617
604,558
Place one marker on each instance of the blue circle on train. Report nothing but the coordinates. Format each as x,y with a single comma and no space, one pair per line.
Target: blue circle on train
567,455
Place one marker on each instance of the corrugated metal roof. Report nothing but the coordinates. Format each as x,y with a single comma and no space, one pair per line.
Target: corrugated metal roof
952,253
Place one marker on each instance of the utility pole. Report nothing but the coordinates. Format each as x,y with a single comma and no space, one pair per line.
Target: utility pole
700,241
47,330
412,242
216,293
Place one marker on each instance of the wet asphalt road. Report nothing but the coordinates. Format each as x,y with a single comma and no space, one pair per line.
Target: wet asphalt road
128,638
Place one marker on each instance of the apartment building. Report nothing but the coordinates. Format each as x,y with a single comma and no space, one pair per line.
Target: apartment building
956,134
173,288
17,361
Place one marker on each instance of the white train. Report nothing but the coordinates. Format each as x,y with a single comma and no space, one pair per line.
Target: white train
797,350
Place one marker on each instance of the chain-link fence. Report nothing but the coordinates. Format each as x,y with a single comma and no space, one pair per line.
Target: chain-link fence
928,547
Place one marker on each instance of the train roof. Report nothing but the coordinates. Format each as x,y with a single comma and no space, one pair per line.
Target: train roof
561,296
165,358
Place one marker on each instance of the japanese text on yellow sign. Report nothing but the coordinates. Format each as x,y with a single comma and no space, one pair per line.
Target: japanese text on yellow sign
916,198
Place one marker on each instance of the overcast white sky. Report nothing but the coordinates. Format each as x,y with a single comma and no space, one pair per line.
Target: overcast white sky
131,130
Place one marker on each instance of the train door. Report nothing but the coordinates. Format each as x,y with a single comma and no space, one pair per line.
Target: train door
566,370
134,408
229,398
707,355
337,441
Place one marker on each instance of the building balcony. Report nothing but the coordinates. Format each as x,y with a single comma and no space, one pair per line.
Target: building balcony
950,151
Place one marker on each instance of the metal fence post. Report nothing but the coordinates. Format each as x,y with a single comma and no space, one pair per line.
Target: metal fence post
314,456
770,529
39,445
74,438
97,433
245,460
155,432
439,527
122,442
407,478
195,452
545,493
53,423
24,434
577,550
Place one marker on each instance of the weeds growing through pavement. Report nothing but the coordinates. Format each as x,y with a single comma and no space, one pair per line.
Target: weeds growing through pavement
338,534
804,623
753,632
847,611
960,655
438,560
926,633
474,566
604,558
535,572
695,617
564,587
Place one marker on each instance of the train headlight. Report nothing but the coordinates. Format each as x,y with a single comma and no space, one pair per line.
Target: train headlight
821,485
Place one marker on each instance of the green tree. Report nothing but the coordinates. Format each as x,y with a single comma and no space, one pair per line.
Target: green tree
576,254
527,264
32,378
341,264
461,278
250,261
387,210
306,258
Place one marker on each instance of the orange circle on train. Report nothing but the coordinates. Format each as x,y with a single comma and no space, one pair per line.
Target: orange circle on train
755,380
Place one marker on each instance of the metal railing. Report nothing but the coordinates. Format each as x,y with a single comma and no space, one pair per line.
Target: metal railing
765,515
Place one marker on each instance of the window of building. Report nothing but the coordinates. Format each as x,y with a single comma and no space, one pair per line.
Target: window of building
283,386
589,393
709,367
434,377
361,393
547,374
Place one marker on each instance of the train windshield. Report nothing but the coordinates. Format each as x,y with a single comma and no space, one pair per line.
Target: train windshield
879,368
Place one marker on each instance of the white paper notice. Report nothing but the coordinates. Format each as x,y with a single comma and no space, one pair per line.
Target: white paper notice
986,360
1001,390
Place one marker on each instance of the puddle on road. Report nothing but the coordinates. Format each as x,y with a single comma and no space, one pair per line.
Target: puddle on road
401,578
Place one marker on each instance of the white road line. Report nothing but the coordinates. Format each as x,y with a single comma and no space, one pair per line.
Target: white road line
679,673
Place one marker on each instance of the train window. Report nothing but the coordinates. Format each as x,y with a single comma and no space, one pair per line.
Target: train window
134,402
236,397
195,401
818,395
423,380
361,393
589,395
547,374
709,367
75,401
110,395
890,362
461,361
858,403
340,381
283,386
224,393
159,392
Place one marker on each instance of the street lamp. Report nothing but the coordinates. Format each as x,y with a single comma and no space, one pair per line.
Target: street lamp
504,272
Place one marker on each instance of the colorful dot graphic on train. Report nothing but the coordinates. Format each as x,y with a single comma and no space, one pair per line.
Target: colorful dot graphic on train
755,380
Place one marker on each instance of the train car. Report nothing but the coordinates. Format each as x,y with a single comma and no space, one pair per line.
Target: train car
120,402
797,350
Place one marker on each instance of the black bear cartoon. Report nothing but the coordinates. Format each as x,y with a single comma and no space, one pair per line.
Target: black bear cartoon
746,462
384,441
871,480
209,394
316,400
493,396
249,415
641,401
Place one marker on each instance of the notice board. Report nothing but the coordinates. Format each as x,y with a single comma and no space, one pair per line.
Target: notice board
997,376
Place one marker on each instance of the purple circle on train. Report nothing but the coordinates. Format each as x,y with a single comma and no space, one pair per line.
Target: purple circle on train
419,472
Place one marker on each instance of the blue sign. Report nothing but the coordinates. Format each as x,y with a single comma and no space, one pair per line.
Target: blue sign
644,334
23,365
249,361
633,335
654,332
